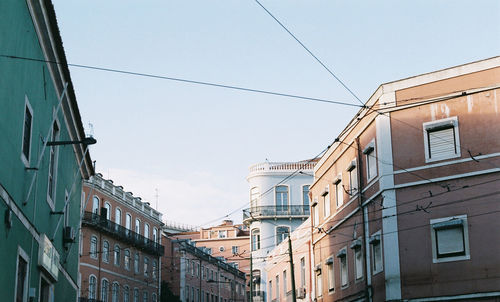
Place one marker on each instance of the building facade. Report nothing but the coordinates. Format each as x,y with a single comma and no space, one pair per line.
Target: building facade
193,275
405,202
279,203
40,182
120,251
278,270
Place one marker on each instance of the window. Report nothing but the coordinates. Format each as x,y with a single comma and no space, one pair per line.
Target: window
153,298
128,221
330,274
302,272
305,195
46,290
52,164
371,161
118,216
255,239
222,234
254,197
441,139
95,205
376,252
22,277
316,211
326,201
154,269
277,287
281,198
339,191
319,284
115,292
137,226
358,259
136,263
104,290
27,128
126,259
155,235
146,266
136,295
93,247
107,206
270,289
145,296
353,178
281,234
126,294
344,277
284,283
450,239
146,230
116,255
92,287
234,249
105,251
221,249
208,250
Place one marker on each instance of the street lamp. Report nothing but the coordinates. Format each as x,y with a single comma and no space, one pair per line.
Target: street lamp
86,141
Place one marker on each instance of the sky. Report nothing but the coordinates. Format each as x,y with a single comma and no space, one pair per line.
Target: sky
194,143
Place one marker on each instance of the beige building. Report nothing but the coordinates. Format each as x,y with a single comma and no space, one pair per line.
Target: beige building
120,245
406,201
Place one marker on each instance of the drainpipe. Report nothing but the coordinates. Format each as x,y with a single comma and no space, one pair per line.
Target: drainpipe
368,288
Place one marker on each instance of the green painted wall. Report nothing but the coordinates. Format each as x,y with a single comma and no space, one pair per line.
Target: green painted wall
20,79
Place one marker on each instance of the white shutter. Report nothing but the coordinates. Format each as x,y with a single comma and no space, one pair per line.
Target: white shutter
442,143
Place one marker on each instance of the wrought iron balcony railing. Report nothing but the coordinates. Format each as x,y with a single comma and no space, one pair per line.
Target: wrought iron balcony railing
275,211
122,233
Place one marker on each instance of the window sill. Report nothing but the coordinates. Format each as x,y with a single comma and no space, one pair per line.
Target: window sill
432,160
377,272
450,259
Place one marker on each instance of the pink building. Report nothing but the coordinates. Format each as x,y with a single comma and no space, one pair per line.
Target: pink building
406,201
279,284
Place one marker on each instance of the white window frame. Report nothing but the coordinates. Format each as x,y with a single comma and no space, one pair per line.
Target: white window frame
105,255
109,208
352,171
339,191
27,105
118,218
429,126
357,247
370,151
93,254
222,234
308,199
125,264
254,197
376,238
255,243
94,209
137,226
326,201
285,234
117,260
330,271
234,249
21,253
315,209
104,295
319,282
95,294
435,223
115,298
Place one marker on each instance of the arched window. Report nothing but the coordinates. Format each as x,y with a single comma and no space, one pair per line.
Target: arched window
126,294
254,197
305,195
126,259
115,292
281,233
107,206
105,251
153,269
93,247
153,298
144,296
118,216
155,234
128,221
136,295
146,230
255,239
146,266
92,287
95,205
117,255
104,290
281,198
137,226
136,263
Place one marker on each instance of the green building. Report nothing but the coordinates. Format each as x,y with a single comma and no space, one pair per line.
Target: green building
40,183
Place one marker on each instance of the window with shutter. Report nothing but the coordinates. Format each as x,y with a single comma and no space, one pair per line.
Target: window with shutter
441,139
450,239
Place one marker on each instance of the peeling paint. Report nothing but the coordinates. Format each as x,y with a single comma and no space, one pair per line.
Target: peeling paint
433,112
445,110
495,103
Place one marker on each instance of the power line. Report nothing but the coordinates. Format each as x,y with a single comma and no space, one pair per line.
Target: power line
149,75
312,54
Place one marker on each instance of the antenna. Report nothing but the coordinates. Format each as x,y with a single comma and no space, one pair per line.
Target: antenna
91,130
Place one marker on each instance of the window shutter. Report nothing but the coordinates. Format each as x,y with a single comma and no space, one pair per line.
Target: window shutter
442,143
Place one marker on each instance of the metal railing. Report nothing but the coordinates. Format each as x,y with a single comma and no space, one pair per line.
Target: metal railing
82,299
122,233
275,211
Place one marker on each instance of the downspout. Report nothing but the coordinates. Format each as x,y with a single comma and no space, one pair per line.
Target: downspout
368,287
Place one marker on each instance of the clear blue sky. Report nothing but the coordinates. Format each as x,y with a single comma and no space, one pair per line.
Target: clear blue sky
195,143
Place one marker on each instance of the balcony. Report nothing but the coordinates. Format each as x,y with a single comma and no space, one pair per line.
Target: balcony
275,212
82,299
258,296
121,233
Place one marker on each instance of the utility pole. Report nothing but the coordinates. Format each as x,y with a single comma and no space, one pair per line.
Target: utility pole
294,293
251,277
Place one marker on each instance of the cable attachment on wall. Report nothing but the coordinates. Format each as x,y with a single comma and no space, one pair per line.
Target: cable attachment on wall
425,209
